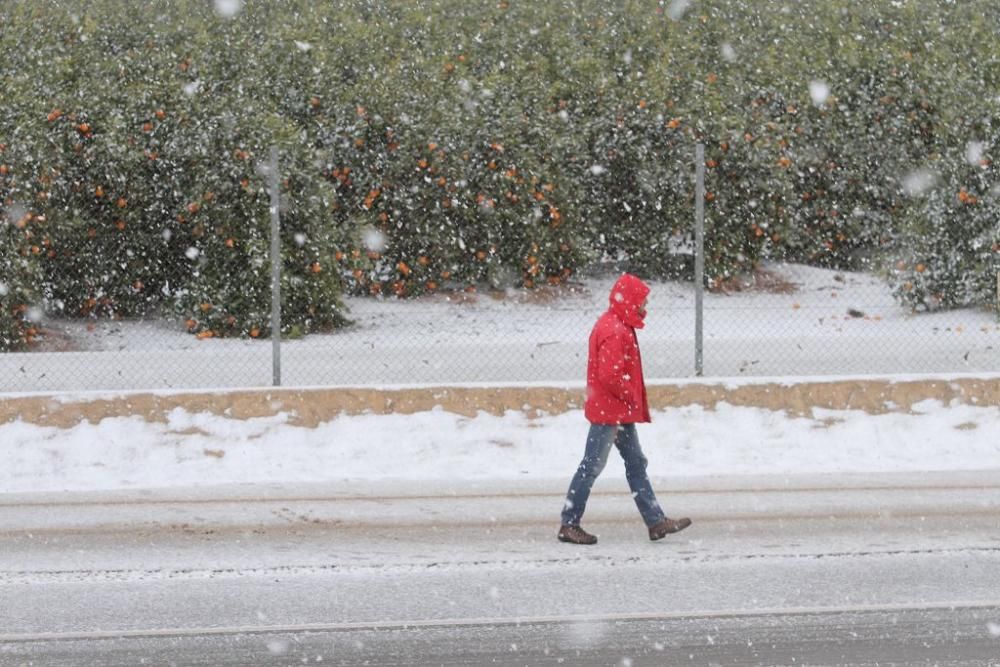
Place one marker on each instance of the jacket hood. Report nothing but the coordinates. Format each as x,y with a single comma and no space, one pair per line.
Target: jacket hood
626,298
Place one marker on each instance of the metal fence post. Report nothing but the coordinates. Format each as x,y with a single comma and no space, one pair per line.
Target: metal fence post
275,268
699,258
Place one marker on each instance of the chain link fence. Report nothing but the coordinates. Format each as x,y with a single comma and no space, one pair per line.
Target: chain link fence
783,321
788,320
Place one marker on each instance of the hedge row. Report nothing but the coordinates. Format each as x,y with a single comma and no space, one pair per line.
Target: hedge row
441,144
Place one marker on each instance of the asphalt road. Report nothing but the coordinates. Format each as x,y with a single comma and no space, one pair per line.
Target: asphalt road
891,589
873,637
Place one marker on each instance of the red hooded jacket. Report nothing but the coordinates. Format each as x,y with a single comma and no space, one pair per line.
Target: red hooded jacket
616,391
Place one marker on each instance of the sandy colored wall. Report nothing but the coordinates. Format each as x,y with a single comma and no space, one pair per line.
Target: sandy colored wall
309,407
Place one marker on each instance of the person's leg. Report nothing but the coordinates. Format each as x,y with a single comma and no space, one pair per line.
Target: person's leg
595,456
635,471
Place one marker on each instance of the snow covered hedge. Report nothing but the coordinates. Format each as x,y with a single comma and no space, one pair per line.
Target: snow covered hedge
446,144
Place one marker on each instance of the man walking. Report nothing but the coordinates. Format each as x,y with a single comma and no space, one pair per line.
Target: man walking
616,402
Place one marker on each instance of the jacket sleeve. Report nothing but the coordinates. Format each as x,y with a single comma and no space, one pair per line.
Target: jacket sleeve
611,368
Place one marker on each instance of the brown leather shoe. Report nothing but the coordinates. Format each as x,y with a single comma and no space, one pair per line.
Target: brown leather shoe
575,535
667,526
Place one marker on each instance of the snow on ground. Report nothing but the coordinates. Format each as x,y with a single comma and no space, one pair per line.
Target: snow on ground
204,449
822,322
828,323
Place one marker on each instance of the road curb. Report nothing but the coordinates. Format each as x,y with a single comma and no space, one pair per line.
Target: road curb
363,504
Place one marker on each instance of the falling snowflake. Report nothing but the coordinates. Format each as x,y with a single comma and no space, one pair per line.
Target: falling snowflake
974,152
819,91
277,647
374,240
918,182
227,9
677,8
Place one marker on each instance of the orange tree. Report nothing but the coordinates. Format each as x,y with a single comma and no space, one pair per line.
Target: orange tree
148,152
950,256
507,144
23,240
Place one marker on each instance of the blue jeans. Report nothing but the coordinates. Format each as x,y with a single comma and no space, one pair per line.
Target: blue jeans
599,442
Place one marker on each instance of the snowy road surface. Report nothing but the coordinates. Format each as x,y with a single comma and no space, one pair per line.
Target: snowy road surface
938,636
841,586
